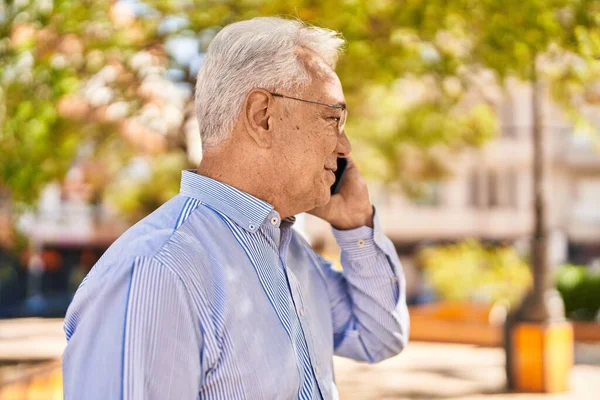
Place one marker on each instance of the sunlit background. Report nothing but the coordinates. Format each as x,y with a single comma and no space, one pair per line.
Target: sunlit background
444,97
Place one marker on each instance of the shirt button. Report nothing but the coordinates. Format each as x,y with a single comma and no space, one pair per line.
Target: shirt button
301,312
316,370
360,243
251,226
274,221
394,279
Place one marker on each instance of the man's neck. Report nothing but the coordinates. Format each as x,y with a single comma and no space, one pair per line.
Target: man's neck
249,180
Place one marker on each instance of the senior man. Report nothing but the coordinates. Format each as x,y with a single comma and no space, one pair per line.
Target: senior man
214,295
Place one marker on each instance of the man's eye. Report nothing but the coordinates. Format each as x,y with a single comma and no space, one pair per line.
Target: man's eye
336,119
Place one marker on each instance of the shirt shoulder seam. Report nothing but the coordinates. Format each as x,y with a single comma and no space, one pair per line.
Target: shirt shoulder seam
175,230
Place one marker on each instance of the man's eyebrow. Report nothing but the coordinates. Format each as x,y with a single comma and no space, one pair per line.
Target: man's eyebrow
338,108
340,105
332,103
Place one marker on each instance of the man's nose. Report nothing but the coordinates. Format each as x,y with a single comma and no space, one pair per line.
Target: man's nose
344,148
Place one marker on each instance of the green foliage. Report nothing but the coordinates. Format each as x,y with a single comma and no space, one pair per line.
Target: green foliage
579,287
49,51
472,271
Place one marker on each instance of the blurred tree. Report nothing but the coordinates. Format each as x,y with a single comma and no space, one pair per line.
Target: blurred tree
81,82
550,43
553,43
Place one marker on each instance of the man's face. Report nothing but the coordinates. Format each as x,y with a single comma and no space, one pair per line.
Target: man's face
308,142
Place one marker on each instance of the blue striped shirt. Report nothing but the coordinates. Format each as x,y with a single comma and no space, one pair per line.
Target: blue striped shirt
212,296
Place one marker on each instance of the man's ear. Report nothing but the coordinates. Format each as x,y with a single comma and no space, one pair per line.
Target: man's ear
257,116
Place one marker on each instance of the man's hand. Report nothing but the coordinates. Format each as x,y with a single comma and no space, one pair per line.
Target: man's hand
350,208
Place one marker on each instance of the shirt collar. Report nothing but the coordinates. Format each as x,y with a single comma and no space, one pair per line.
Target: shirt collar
244,209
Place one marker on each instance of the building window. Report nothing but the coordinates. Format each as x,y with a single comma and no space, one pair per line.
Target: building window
512,189
474,189
507,118
493,189
509,131
493,192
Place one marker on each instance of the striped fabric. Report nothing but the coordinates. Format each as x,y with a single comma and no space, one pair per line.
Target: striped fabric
212,296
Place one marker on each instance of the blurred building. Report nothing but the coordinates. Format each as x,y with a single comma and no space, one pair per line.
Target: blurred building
489,195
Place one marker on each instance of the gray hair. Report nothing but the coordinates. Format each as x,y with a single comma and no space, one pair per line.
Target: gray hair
257,53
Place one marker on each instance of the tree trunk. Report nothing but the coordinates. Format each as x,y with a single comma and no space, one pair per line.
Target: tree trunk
543,302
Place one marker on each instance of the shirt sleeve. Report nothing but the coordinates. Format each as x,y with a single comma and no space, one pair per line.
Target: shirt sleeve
160,342
368,298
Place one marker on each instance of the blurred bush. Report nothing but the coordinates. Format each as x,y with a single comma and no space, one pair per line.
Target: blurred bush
579,287
471,271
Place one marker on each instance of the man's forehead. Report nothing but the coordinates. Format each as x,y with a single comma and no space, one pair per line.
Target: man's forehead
315,63
324,79
332,88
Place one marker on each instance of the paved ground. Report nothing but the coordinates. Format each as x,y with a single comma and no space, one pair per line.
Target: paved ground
424,371
447,371
31,339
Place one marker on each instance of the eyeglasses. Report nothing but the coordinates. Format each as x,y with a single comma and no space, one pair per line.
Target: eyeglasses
341,120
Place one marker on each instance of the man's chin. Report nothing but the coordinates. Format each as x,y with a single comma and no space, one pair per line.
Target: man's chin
324,198
318,199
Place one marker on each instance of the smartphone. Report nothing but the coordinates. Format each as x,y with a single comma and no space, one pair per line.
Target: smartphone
342,163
